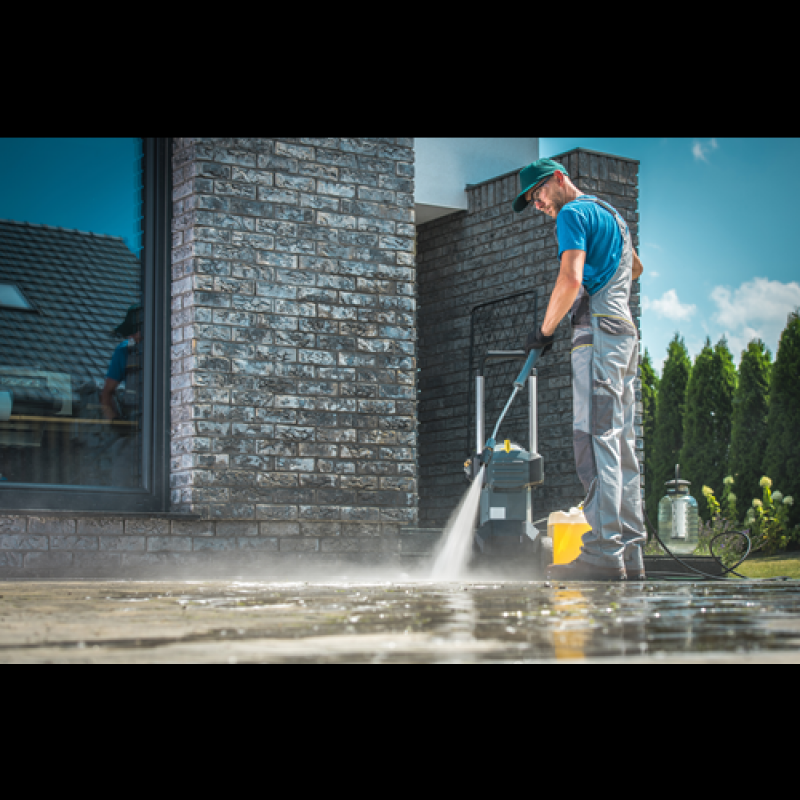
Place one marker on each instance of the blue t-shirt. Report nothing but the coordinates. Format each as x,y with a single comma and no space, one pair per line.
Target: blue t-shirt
116,369
585,225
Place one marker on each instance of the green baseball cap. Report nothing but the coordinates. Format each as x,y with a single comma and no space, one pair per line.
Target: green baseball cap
532,175
131,323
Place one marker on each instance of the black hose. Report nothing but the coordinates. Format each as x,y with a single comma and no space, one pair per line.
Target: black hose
706,575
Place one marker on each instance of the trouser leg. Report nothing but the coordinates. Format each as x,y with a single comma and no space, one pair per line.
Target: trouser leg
582,408
604,545
584,412
633,531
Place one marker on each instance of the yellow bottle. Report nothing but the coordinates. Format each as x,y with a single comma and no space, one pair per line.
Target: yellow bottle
566,530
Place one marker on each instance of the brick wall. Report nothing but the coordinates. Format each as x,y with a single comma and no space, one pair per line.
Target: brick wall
482,254
63,545
293,396
294,347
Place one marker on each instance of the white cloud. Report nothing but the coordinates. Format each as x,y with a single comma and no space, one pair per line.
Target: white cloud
700,150
669,306
756,310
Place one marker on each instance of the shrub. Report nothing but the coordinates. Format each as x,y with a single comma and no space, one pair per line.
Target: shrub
707,423
782,457
766,522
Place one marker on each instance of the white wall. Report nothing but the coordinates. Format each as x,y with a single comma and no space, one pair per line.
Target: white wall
443,168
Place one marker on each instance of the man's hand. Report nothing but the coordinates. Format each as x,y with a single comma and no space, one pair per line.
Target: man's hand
638,269
538,341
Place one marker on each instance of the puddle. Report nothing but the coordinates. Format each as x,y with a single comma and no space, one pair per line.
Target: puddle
385,621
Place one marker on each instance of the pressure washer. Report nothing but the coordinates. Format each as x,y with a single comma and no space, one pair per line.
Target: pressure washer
506,529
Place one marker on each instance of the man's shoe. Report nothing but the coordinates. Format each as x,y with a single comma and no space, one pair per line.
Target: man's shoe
578,570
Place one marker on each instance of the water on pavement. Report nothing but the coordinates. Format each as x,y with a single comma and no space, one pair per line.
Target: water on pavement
393,618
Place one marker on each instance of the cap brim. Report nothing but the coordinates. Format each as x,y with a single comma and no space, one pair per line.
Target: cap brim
520,203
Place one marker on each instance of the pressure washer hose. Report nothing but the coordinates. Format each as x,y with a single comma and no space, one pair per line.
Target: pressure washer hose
706,575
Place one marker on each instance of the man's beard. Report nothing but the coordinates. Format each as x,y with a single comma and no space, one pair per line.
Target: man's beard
557,203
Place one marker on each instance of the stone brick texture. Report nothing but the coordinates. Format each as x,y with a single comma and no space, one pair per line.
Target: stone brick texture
36,547
485,253
294,356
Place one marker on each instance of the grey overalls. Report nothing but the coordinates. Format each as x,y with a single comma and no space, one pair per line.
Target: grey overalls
605,358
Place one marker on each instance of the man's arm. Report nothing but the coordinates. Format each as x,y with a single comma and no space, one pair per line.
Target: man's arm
637,266
566,289
106,396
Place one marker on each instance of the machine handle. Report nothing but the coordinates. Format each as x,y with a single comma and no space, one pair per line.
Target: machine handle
526,369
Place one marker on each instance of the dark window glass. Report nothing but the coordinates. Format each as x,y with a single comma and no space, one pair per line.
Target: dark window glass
73,339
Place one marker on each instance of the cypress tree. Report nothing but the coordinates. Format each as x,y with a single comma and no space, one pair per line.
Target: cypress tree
670,409
649,392
749,423
707,424
782,459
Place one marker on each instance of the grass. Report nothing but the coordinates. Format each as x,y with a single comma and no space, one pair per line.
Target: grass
786,564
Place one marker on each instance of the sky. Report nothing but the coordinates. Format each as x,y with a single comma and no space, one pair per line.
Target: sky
83,184
717,223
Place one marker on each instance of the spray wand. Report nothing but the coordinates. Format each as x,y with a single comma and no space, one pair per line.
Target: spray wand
488,449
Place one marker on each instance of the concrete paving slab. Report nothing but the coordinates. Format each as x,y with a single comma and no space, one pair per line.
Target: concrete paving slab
358,618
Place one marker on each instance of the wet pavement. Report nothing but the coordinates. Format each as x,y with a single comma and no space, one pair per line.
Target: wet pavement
350,618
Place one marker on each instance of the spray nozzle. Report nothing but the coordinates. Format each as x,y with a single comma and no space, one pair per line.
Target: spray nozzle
473,466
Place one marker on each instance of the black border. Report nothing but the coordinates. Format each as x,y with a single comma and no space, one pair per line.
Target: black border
156,255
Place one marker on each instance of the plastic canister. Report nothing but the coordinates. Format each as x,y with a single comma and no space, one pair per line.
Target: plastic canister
566,530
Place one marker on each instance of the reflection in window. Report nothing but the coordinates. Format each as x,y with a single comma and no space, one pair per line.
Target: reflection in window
71,328
12,297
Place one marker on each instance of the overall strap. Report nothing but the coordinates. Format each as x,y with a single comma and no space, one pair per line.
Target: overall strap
623,226
610,310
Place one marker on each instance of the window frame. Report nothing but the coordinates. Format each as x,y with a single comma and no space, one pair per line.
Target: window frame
154,496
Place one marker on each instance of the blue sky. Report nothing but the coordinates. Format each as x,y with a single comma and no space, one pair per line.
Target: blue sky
84,184
717,227
717,222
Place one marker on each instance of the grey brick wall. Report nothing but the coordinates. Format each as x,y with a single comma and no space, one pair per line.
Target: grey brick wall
294,347
482,254
57,544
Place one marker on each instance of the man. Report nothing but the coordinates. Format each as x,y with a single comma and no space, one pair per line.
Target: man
130,328
122,442
598,264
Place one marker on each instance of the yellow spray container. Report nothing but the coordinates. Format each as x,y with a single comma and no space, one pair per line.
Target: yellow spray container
566,530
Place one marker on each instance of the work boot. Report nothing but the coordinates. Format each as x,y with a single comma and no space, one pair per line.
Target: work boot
578,570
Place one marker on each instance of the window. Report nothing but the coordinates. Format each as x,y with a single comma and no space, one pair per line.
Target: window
12,297
84,254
